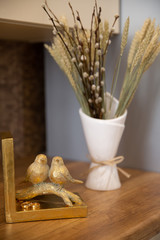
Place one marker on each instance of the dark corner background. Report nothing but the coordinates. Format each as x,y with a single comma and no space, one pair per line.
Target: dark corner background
22,95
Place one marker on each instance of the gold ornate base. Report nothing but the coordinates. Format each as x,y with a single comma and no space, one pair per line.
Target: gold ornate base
50,207
39,208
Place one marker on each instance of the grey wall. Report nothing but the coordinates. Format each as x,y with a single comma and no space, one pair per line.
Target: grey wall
141,140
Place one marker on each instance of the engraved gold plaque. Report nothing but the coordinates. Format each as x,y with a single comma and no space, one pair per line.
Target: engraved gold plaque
51,206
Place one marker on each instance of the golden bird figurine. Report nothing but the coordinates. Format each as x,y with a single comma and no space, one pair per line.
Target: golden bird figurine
37,172
58,172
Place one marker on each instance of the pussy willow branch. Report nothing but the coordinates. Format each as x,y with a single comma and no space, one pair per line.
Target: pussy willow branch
85,68
75,25
96,7
79,19
85,36
90,42
97,41
100,62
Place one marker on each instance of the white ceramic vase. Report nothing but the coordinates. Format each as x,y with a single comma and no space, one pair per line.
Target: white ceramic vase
103,138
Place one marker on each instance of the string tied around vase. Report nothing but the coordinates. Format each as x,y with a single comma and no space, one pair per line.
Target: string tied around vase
110,162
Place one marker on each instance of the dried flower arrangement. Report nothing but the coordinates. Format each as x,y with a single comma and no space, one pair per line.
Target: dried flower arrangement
81,55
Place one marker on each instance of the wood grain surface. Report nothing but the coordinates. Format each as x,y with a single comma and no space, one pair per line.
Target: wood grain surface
131,212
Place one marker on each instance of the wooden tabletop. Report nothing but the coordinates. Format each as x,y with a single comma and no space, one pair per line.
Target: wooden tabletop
131,212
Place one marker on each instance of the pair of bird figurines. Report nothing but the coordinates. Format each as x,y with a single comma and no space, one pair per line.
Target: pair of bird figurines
58,173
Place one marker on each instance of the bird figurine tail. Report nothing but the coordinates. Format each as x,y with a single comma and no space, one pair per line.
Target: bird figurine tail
77,181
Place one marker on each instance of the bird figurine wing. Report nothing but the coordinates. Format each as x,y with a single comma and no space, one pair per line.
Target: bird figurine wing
30,171
58,172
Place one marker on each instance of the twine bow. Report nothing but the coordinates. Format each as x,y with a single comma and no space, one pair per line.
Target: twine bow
111,162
